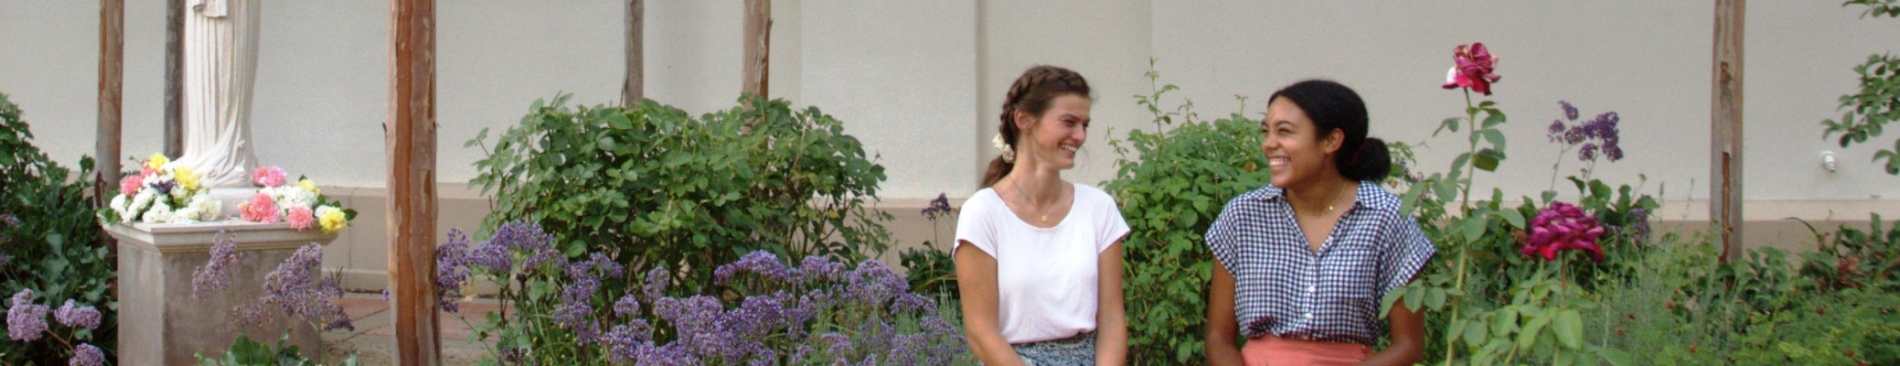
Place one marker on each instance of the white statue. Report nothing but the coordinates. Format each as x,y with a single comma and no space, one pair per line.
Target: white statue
220,67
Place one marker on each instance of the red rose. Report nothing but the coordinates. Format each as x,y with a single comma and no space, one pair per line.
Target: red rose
1475,65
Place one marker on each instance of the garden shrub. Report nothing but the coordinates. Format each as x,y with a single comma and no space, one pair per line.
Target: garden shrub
757,309
653,186
1170,184
49,245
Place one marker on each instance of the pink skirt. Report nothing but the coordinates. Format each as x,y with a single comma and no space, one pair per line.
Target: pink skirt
1268,350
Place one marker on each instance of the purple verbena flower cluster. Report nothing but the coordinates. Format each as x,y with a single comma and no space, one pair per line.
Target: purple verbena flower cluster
299,289
761,262
451,270
1596,135
938,208
215,274
77,316
25,321
497,255
87,355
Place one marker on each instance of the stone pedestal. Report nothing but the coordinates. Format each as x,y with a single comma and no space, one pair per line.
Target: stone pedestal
159,321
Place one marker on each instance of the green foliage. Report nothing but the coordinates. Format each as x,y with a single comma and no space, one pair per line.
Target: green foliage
1183,178
1869,111
247,352
48,237
1877,8
1878,102
930,271
653,185
1851,258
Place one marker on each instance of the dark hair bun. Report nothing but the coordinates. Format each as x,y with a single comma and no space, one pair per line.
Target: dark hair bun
1372,162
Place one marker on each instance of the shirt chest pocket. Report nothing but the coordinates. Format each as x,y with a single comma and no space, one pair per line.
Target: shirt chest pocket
1351,271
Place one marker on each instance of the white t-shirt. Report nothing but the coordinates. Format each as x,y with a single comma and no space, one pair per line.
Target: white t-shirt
1046,277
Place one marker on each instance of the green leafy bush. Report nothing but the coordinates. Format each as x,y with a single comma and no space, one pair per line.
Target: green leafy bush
1171,184
1878,101
48,241
654,186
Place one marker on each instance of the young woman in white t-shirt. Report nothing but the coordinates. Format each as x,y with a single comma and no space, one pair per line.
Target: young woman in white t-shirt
1044,283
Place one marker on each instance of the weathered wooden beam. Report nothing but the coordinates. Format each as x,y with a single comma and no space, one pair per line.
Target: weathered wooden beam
1725,143
174,78
111,97
634,88
410,140
758,44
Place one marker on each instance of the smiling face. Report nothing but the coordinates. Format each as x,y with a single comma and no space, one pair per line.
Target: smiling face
1053,138
1297,154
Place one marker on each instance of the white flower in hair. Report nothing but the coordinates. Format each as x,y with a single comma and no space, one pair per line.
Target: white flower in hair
999,143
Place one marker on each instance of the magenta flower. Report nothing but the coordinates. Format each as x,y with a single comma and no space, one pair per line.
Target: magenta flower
300,218
1475,65
260,209
268,176
1560,227
131,184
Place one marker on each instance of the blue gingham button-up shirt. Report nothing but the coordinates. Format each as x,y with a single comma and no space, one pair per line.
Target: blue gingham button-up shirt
1282,287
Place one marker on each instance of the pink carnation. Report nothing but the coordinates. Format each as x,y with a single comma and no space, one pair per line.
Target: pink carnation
268,176
131,184
260,209
300,218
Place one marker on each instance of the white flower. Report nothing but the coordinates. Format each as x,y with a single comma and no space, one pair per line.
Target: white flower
160,213
185,215
178,194
291,196
999,143
207,208
140,202
118,204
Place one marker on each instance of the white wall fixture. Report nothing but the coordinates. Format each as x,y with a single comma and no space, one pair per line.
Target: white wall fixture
1828,162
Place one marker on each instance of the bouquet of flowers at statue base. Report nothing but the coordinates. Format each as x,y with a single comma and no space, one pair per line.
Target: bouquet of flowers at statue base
300,203
162,192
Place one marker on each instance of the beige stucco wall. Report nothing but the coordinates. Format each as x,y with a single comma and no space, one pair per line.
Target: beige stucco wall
920,82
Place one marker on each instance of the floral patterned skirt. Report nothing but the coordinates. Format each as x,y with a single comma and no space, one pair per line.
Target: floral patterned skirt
1077,350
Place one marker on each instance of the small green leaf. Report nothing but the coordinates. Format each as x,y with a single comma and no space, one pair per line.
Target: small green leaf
1496,117
1476,333
1512,216
1569,327
1448,124
1487,160
1528,337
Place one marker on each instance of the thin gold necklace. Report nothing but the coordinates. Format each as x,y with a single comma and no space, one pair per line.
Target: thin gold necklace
1029,201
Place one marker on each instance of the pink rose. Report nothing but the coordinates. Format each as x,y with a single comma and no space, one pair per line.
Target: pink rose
268,176
1475,65
300,218
260,209
131,184
1560,227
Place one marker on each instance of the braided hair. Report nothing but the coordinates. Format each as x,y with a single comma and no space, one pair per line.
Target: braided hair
1031,93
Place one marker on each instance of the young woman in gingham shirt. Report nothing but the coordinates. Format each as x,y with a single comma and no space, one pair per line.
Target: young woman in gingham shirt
1302,264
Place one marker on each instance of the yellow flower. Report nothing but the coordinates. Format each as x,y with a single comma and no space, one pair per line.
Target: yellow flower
155,161
309,186
333,221
185,177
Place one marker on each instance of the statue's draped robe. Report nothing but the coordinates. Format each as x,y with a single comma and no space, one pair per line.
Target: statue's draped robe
220,67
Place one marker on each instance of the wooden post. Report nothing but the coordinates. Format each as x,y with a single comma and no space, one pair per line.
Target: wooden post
111,98
758,44
1725,143
174,78
634,88
410,138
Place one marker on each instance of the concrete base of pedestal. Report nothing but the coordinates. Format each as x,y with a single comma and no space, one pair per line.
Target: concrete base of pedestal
159,321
